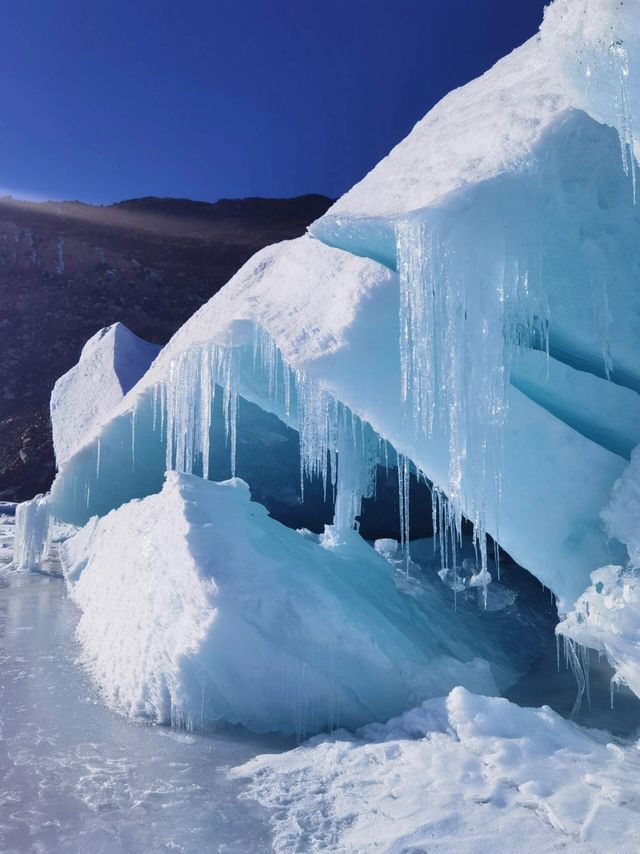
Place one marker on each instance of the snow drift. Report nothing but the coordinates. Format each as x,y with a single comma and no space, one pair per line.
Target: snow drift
460,773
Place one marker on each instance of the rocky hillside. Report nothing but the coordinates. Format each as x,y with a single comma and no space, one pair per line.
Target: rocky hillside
67,269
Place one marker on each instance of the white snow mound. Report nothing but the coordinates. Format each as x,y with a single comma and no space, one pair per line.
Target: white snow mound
460,773
197,607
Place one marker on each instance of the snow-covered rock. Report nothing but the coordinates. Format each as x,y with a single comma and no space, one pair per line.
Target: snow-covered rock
111,362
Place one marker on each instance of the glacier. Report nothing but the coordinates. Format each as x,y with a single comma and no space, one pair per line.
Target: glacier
466,317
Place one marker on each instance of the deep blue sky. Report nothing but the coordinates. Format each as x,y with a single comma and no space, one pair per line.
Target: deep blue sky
108,99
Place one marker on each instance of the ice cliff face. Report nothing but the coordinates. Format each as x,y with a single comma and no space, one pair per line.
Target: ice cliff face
469,311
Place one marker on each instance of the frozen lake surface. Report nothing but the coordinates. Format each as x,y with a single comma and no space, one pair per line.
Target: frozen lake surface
76,777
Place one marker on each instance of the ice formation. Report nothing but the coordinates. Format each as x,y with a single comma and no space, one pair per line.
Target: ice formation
111,363
238,618
33,533
607,615
467,314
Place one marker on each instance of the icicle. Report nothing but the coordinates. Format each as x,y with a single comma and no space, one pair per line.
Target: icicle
98,458
403,504
133,438
579,667
207,392
465,295
154,406
355,456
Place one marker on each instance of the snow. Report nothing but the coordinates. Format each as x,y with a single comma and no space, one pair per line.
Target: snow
606,617
492,125
111,363
460,773
197,607
470,309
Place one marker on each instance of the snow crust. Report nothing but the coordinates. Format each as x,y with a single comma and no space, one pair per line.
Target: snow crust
111,363
460,773
197,607
585,57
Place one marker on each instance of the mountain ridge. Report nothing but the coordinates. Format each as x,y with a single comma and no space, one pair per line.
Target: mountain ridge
69,268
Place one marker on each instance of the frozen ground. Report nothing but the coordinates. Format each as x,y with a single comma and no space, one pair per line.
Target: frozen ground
75,777
461,774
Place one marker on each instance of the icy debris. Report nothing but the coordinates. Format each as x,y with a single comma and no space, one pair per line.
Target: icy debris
456,774
33,531
386,548
197,607
607,618
453,579
467,576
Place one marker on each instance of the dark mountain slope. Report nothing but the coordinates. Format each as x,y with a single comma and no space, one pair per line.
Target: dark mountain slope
67,269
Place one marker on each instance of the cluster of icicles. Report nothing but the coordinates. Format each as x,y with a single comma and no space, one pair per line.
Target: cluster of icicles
335,444
464,311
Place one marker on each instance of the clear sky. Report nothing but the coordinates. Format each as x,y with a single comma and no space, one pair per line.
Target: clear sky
109,99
